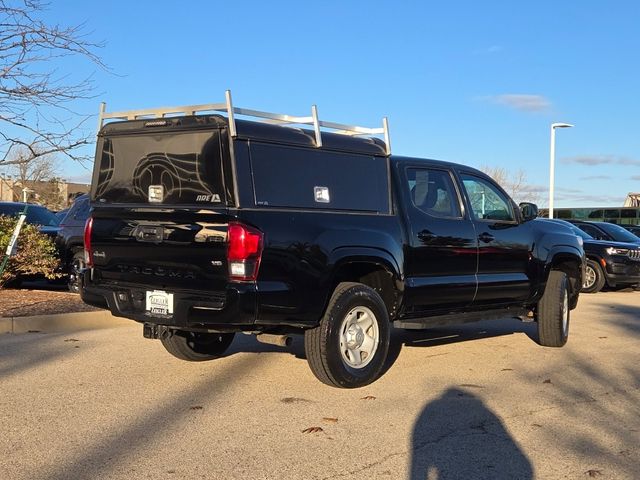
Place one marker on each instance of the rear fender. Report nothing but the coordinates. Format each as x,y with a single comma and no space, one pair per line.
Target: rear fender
362,264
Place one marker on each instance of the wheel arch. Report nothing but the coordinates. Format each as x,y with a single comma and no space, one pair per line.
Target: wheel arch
70,251
572,263
376,269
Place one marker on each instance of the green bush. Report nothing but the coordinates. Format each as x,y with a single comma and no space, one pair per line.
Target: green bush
36,253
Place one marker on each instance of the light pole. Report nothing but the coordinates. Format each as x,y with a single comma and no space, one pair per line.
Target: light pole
25,194
552,161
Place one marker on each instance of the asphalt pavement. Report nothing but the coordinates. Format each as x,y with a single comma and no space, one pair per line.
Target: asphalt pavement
478,401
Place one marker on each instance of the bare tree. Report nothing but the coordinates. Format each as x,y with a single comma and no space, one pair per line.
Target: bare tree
515,183
34,96
29,168
37,173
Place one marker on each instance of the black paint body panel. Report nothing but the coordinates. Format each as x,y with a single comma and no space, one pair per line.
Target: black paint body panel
436,266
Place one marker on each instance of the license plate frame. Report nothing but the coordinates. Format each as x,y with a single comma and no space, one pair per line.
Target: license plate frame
159,303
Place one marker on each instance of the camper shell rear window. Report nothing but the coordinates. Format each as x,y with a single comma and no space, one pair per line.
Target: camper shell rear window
168,167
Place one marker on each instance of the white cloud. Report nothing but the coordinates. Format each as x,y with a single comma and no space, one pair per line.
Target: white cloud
84,178
596,177
583,199
592,160
572,196
568,191
534,188
522,101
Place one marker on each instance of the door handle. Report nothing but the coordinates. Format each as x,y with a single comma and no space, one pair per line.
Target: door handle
149,233
426,236
486,237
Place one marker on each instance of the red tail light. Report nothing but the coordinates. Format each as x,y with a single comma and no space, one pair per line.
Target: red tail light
88,253
244,252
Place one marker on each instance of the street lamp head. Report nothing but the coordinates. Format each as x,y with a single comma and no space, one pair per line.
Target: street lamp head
561,125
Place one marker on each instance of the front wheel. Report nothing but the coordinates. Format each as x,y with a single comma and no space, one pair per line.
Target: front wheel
196,346
349,347
553,311
593,278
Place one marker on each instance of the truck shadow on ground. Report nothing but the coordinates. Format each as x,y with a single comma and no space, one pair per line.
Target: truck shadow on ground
100,458
448,335
624,316
458,436
22,352
404,338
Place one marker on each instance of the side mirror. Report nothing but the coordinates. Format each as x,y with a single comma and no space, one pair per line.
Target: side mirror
529,211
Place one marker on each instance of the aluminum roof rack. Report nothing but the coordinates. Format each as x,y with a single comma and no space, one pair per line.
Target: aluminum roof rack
266,117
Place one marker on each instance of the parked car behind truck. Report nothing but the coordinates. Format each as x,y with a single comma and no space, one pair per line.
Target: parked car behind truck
70,240
203,226
45,265
609,263
606,231
35,215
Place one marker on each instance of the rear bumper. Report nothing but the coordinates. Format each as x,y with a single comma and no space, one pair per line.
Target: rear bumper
234,308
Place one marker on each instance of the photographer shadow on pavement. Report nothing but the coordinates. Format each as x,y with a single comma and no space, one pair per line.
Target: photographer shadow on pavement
456,436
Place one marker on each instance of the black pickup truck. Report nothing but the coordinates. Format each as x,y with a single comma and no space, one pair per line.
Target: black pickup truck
203,226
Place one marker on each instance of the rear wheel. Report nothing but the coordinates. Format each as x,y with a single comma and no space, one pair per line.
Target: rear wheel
553,311
593,277
349,347
196,346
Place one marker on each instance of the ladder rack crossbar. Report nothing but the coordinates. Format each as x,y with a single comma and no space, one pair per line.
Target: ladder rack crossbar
164,111
354,129
280,117
267,117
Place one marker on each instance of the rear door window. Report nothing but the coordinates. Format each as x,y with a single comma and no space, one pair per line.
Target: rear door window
433,192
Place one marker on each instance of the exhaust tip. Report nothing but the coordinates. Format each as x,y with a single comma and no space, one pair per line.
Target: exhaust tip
278,340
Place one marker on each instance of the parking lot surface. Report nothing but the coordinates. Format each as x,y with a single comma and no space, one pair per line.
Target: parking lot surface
477,401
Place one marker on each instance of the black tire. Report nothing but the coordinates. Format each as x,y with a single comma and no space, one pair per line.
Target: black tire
13,283
553,311
345,323
593,277
196,346
77,264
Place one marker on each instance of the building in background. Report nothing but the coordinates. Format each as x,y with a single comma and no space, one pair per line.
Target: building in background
55,194
628,214
620,216
632,200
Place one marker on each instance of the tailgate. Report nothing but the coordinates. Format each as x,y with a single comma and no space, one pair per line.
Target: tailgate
161,249
160,203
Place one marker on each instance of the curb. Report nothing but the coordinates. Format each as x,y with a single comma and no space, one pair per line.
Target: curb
64,322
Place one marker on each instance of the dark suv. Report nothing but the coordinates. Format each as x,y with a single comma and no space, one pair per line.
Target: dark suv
204,225
606,231
69,240
635,229
614,264
36,215
45,220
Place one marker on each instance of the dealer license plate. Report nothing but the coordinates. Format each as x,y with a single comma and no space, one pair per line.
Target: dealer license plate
159,302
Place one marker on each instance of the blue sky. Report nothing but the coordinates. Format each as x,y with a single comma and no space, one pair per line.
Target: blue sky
473,82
